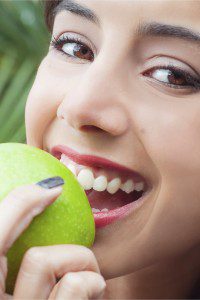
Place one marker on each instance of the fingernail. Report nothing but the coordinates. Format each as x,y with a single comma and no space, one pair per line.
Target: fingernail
51,182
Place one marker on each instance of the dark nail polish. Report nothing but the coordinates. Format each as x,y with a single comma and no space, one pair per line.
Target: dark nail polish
51,182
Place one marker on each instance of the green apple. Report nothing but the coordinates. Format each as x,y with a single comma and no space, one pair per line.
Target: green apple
69,220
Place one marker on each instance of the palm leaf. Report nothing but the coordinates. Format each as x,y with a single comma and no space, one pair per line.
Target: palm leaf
23,43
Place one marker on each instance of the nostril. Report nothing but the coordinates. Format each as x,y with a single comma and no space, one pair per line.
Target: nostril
91,128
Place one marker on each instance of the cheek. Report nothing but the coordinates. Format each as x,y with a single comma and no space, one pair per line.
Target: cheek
178,143
43,101
40,109
172,140
172,136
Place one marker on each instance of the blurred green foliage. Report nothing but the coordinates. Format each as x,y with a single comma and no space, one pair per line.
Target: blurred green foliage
23,42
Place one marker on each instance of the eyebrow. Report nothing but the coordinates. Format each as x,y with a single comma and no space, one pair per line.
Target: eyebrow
152,29
77,9
167,30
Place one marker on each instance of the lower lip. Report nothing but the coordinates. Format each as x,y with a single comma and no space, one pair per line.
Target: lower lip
104,218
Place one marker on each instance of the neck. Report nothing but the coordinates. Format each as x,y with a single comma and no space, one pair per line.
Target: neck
174,278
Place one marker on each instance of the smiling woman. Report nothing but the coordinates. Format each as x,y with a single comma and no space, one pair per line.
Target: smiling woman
117,100
131,69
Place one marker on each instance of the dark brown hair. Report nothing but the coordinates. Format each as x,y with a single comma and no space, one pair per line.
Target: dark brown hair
49,7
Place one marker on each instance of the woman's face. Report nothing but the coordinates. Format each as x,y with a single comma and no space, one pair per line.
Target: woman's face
133,97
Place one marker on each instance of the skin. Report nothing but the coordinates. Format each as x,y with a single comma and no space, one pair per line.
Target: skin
143,124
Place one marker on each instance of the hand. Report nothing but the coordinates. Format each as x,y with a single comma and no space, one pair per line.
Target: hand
52,272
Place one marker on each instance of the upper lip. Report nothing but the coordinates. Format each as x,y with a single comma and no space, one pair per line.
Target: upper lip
93,161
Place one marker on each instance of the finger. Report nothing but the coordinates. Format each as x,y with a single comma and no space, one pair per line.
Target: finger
43,266
18,209
81,285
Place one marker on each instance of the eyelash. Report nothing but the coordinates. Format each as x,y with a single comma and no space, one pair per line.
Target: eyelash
193,83
58,43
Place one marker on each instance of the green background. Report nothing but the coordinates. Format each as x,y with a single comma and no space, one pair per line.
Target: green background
24,41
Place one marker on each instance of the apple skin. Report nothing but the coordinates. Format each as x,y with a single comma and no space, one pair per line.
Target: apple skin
69,220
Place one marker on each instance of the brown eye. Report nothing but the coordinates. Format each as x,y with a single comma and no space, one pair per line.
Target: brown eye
73,47
173,77
168,76
176,78
78,50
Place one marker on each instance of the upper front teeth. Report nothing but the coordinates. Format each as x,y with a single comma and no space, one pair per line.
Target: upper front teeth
114,185
72,168
100,183
86,179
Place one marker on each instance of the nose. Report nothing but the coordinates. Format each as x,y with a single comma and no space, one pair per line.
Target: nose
97,102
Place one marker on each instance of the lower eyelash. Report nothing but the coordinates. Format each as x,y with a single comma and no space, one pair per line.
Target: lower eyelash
179,87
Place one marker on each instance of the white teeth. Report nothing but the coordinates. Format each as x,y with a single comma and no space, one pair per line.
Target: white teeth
72,168
94,210
64,158
128,186
100,183
104,209
139,186
114,185
86,178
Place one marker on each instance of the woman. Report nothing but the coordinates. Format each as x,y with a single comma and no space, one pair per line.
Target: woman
121,81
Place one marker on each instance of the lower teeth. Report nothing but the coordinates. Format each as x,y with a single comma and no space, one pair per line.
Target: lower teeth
95,210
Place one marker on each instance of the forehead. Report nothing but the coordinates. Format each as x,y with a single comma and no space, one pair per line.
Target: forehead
129,12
